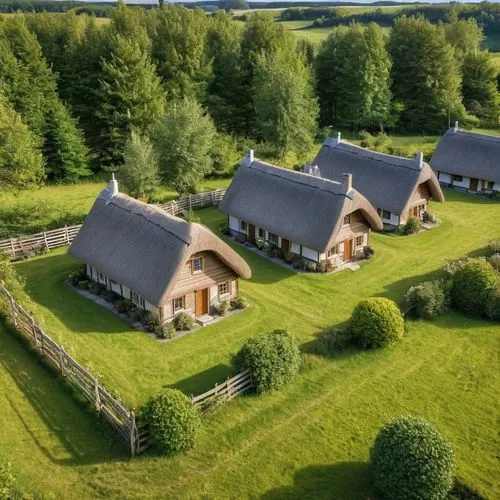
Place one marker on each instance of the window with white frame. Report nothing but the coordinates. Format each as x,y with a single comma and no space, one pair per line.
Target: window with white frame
333,251
223,288
273,238
243,225
137,299
197,265
178,304
359,241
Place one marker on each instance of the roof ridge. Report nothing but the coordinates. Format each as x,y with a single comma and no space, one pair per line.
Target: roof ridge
378,156
485,137
156,210
303,175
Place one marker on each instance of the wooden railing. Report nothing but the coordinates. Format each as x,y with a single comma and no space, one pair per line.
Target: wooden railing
119,417
26,246
221,393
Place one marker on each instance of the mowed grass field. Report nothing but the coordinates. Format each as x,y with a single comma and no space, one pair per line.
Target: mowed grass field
310,440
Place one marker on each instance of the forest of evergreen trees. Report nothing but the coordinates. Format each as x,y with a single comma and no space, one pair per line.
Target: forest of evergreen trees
165,93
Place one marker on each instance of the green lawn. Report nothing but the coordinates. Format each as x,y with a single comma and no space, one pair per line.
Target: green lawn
310,439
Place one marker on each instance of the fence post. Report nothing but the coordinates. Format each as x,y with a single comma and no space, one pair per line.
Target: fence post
213,198
132,432
61,359
12,248
13,307
67,234
189,202
97,397
33,329
45,239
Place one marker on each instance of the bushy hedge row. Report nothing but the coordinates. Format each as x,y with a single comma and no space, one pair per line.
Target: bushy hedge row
410,459
376,322
428,299
173,421
273,359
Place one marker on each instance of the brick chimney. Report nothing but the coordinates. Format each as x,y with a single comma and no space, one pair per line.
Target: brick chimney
347,182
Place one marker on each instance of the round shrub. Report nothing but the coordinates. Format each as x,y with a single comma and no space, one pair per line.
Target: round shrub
273,359
494,260
426,300
493,246
239,303
222,307
412,226
173,421
410,459
493,305
165,331
377,322
183,321
473,283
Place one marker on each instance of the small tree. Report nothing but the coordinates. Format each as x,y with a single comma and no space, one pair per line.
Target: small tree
273,359
139,174
377,322
410,459
185,145
173,421
426,300
473,283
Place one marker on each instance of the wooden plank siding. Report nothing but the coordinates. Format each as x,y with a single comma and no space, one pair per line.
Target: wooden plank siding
214,272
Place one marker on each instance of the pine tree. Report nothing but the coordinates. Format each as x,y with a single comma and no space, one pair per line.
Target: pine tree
179,38
65,153
285,106
139,173
426,78
21,163
185,145
261,35
353,72
479,87
132,98
226,85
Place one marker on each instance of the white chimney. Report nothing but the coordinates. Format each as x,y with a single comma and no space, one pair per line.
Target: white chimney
455,129
250,156
248,159
339,138
307,169
420,159
316,172
112,188
347,182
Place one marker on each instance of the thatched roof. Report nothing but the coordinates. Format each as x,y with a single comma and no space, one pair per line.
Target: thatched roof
300,207
387,181
468,154
144,248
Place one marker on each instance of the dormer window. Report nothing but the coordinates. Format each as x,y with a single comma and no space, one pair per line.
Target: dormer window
347,220
197,265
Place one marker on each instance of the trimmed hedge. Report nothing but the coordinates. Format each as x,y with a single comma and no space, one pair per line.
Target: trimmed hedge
410,459
473,285
173,421
377,322
273,359
427,300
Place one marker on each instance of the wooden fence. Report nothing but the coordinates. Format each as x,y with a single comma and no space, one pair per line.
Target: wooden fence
221,393
120,418
26,246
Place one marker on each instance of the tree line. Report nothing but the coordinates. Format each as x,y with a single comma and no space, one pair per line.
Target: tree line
486,14
165,94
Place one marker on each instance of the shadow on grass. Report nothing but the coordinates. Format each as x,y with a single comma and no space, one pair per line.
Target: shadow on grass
46,284
453,195
205,380
84,439
345,480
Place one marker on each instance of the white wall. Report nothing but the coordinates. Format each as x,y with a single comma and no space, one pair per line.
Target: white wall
444,177
393,220
294,247
465,183
234,224
310,254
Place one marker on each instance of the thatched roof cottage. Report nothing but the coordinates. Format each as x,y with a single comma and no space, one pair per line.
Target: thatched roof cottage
468,160
398,187
160,262
302,213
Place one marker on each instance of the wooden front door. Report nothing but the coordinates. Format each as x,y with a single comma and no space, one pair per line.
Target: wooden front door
201,302
415,212
251,233
347,250
285,244
473,185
